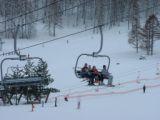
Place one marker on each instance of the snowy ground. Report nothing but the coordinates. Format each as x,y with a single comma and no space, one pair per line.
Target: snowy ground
96,102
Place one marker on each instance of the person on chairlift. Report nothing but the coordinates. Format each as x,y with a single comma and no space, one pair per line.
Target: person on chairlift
90,76
95,74
84,71
106,75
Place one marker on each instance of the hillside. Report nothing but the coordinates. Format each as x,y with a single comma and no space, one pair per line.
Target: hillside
124,101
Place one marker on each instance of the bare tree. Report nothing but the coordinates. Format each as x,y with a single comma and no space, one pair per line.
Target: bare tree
133,35
14,14
53,16
151,26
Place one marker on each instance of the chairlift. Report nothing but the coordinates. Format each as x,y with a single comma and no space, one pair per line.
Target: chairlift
93,55
77,70
19,58
25,85
4,78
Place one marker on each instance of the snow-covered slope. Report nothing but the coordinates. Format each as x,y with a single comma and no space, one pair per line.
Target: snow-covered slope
97,102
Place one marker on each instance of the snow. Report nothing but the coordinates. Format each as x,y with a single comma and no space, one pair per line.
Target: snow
61,58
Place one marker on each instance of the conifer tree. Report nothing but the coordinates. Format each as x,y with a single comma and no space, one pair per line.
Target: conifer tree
42,71
29,69
17,72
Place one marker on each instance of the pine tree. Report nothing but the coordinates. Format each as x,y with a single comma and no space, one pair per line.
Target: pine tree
42,71
29,69
17,72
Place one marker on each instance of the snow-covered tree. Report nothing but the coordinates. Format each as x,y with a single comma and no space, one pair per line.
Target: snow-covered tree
17,72
42,71
29,69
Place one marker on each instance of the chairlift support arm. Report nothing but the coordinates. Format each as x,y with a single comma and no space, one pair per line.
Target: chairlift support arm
15,41
101,44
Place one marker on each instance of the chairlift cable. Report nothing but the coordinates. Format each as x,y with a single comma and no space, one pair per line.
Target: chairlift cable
88,29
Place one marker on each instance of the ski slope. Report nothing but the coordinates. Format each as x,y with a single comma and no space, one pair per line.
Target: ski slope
125,101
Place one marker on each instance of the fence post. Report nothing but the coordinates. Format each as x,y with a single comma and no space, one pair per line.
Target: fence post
55,102
42,103
138,76
78,104
33,107
158,68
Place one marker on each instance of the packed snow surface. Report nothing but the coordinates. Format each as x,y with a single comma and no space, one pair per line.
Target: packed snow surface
94,102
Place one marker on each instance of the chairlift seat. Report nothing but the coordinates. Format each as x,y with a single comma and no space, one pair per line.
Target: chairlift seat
80,74
23,81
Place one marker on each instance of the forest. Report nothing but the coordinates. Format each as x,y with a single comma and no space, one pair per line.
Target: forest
57,14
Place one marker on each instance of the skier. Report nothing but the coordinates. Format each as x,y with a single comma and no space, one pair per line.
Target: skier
144,89
66,98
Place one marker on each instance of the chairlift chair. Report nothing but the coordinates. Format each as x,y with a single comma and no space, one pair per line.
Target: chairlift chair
9,83
77,71
93,55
